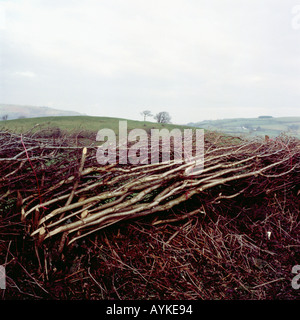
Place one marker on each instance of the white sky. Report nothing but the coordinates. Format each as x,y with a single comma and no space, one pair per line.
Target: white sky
196,59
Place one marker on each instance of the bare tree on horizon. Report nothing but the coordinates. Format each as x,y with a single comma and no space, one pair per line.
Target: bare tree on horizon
146,113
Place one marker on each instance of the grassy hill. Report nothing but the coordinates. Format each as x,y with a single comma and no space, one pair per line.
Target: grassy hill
254,126
77,124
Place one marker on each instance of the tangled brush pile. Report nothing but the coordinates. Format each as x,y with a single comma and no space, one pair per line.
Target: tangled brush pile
61,189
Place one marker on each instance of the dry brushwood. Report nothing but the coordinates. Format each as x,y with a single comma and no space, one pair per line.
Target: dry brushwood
61,189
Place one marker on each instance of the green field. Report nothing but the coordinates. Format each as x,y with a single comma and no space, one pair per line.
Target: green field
77,124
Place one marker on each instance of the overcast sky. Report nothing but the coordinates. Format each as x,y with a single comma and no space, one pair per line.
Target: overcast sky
196,59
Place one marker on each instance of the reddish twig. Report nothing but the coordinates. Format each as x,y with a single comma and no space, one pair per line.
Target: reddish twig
36,178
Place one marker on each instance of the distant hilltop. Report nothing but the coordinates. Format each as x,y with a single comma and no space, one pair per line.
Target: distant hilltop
12,111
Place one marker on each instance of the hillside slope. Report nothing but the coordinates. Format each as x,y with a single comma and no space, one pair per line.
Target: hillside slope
76,124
